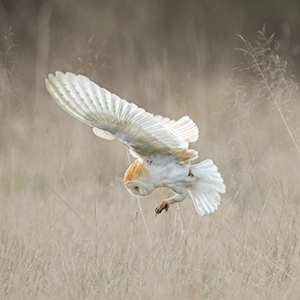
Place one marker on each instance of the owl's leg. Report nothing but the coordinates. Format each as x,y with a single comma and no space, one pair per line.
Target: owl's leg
164,205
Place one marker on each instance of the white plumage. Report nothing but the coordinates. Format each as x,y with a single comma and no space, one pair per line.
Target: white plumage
160,144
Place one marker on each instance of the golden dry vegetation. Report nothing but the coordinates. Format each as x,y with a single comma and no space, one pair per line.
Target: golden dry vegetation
70,230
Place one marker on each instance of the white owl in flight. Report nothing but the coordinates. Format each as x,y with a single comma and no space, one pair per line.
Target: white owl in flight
159,144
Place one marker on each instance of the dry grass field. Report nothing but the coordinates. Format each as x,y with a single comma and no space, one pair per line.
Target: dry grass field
70,230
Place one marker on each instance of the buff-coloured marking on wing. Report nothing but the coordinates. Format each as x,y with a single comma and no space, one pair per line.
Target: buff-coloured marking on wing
135,171
188,154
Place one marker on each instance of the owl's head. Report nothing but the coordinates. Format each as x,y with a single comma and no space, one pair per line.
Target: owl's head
138,188
136,179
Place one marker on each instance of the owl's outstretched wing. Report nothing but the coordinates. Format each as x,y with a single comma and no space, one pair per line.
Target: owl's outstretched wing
114,118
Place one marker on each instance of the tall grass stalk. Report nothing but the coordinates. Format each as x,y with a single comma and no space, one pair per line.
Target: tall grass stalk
267,64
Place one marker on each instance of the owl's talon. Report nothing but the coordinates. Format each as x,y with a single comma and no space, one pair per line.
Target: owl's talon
161,207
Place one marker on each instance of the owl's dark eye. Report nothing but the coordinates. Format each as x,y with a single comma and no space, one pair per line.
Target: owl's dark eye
190,174
136,188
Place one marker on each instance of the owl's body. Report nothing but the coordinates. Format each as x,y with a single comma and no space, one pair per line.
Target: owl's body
202,181
161,172
159,144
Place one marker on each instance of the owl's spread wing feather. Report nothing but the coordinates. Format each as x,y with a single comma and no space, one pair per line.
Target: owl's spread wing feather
115,118
184,130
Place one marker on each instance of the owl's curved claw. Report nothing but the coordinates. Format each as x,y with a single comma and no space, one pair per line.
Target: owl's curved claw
161,207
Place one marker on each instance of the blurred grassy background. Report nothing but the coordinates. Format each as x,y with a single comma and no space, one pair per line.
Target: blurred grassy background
68,227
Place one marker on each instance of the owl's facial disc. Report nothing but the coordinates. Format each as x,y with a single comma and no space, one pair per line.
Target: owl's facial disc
137,188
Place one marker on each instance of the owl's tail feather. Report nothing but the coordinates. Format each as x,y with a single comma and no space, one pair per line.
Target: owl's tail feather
206,190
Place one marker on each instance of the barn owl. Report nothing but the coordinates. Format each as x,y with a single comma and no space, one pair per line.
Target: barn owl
160,145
